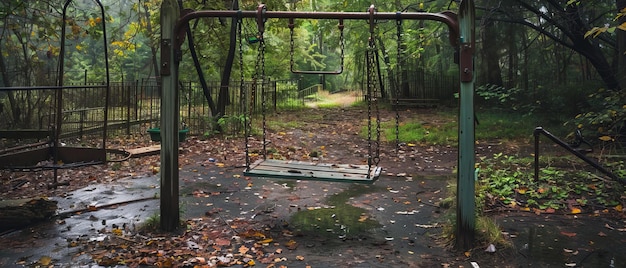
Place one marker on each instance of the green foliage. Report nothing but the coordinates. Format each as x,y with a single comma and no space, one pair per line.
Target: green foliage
233,124
509,181
504,125
603,115
509,99
493,125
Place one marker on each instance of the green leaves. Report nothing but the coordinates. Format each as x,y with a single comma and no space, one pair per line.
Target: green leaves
509,181
604,115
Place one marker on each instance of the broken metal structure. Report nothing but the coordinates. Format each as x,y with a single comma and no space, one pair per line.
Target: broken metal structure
52,154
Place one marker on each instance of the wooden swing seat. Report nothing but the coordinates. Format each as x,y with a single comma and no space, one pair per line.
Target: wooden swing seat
286,169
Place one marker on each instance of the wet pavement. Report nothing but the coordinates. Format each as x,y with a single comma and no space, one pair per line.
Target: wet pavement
399,219
582,240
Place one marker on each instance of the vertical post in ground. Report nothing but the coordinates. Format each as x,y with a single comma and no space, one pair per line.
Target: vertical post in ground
466,218
170,111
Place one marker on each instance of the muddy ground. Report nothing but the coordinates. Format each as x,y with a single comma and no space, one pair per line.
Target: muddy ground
395,222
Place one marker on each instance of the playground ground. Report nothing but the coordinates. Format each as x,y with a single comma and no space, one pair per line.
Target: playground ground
235,220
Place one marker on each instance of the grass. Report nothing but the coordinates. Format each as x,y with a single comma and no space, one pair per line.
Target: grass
486,229
492,125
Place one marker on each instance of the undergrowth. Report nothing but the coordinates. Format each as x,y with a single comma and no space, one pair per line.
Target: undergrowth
509,182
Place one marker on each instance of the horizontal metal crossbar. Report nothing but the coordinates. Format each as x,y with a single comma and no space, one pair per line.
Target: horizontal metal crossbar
51,87
447,17
298,170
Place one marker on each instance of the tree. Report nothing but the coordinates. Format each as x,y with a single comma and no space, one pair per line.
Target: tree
28,46
567,23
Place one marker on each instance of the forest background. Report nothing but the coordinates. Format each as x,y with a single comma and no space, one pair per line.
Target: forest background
562,58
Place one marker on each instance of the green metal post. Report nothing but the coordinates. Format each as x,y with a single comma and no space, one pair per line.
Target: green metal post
465,217
170,110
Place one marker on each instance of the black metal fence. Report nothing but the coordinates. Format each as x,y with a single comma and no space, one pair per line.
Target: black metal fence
134,107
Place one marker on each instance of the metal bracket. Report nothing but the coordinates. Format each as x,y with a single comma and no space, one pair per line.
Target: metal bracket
166,48
467,63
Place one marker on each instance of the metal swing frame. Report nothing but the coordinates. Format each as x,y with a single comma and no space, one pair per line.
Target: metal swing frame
462,38
297,169
273,168
292,62
25,158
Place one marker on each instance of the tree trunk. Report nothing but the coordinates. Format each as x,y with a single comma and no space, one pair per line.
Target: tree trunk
621,47
201,78
588,48
153,49
223,99
490,54
19,213
513,57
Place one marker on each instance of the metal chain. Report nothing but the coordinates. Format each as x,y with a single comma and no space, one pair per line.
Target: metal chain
369,104
263,87
291,44
372,88
243,94
398,80
342,42
376,95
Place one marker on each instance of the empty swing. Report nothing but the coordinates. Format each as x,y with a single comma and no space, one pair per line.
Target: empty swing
290,169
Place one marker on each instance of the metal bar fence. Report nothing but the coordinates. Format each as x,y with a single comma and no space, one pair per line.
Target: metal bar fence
134,107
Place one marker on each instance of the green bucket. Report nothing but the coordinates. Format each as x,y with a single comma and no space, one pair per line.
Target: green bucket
155,134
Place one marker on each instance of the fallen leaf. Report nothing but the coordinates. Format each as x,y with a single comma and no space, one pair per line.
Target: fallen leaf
541,190
266,241
44,260
222,242
568,234
576,210
291,244
605,138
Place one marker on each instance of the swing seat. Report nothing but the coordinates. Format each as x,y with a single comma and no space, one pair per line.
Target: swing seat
298,170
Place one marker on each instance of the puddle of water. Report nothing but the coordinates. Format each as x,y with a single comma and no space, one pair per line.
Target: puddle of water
552,246
339,219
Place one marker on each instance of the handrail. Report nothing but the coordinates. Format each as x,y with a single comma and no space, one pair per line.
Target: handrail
540,130
309,90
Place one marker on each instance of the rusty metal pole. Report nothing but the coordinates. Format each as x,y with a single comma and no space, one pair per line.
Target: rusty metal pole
170,111
466,217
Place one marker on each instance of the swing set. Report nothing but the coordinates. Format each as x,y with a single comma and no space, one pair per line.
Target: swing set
289,169
461,35
274,168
